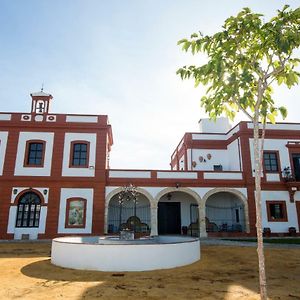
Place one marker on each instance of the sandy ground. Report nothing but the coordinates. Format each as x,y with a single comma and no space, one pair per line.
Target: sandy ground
222,273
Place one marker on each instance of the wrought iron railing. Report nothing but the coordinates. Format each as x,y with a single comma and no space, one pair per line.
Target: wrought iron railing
224,225
141,223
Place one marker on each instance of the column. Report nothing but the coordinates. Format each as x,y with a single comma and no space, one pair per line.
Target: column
202,220
105,219
153,219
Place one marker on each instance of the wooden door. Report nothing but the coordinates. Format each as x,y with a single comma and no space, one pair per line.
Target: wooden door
169,218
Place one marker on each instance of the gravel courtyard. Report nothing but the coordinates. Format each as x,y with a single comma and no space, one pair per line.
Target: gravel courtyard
224,272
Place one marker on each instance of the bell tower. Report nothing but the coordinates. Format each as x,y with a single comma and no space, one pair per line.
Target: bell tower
40,102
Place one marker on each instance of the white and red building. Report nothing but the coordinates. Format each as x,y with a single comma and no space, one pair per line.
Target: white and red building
55,179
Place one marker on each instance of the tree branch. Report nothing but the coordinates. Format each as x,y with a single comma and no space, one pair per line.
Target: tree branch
262,139
237,102
271,62
260,91
278,70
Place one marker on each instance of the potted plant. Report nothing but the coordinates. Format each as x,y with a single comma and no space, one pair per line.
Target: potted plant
267,231
292,231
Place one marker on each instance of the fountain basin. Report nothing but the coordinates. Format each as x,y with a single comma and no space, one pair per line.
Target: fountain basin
115,255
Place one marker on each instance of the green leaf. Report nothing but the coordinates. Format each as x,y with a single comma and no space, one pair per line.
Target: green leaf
182,41
291,79
283,111
238,57
193,46
271,118
186,46
280,79
197,82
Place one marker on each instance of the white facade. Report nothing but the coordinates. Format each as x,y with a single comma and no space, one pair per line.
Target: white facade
3,143
186,197
67,193
129,174
229,159
220,125
200,157
278,126
214,165
45,170
275,145
223,176
235,159
82,119
79,172
177,175
5,117
282,226
31,231
17,190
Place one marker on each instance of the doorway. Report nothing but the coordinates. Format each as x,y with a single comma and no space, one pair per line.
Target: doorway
169,218
296,164
298,213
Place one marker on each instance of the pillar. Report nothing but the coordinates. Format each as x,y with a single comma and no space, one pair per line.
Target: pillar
154,224
202,221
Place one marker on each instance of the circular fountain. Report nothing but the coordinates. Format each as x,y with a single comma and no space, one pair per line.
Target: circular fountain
108,253
124,252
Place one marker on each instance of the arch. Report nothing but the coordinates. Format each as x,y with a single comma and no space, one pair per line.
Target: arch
180,189
235,192
115,192
195,196
16,200
28,210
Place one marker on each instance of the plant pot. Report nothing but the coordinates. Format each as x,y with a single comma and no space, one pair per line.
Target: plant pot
292,231
267,232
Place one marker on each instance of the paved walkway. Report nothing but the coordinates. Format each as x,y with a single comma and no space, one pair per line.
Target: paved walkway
226,242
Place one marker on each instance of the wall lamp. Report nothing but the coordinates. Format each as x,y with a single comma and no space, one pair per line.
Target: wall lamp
292,191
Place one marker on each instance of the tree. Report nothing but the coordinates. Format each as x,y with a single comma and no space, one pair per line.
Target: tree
245,60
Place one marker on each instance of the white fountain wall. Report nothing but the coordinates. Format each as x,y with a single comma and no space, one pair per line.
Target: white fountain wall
71,253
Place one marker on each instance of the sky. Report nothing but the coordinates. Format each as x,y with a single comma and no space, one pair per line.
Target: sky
118,58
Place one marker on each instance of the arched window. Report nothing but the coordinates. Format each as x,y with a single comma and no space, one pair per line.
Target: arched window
29,208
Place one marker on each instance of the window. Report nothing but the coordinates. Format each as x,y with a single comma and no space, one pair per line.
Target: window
28,212
276,211
79,154
34,154
271,162
75,213
218,168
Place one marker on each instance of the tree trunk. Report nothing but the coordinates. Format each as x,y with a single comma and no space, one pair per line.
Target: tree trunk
260,245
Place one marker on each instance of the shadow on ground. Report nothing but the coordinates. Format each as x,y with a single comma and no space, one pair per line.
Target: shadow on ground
43,269
222,273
